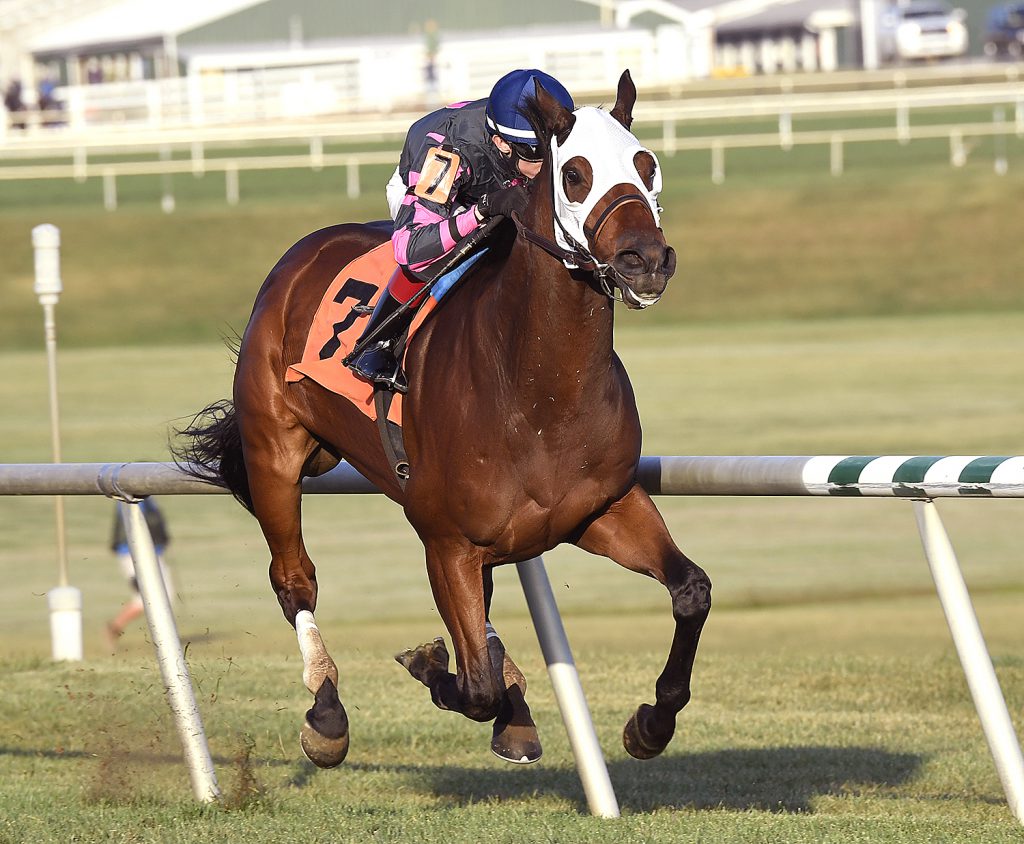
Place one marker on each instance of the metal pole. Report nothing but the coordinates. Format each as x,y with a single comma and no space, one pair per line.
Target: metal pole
65,602
173,668
50,327
568,691
974,656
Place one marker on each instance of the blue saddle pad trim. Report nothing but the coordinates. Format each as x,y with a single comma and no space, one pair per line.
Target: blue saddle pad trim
445,282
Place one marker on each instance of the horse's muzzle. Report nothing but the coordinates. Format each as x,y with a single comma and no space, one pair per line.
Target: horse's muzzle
643,273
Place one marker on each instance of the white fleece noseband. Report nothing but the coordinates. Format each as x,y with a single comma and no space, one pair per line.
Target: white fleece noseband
609,148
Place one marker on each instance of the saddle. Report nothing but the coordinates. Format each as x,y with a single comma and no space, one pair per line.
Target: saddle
336,327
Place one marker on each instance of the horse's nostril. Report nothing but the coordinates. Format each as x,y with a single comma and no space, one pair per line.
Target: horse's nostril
652,259
668,264
630,261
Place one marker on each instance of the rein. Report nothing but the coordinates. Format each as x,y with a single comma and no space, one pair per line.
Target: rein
583,258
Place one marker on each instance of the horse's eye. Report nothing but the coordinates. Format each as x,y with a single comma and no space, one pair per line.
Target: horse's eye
573,177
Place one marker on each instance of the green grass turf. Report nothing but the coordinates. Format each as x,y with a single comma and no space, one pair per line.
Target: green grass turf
828,704
876,313
863,733
900,232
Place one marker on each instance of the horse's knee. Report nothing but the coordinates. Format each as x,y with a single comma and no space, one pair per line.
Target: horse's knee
691,596
296,590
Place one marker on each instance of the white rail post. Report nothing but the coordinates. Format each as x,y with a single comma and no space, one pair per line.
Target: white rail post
957,150
109,189
903,123
198,159
974,656
231,182
65,602
352,169
668,136
167,203
568,691
786,130
173,668
835,159
1000,164
717,161
80,164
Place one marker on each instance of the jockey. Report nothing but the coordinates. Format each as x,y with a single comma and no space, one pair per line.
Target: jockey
460,165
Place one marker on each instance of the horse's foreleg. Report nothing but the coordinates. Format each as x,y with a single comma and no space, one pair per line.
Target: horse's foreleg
514,737
274,470
477,689
633,534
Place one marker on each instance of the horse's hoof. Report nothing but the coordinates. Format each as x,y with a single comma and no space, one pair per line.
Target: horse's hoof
515,737
519,745
322,751
427,662
324,735
641,738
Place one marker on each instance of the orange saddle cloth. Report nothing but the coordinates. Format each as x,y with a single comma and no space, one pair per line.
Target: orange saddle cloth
336,328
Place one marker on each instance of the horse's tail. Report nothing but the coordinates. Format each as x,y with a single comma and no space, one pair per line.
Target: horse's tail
210,448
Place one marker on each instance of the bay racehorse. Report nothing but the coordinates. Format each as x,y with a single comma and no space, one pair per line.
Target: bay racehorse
520,427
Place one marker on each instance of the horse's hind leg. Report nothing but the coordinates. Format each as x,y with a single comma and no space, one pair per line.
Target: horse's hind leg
274,458
478,690
514,737
633,534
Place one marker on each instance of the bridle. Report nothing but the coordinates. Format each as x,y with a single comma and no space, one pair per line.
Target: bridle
607,277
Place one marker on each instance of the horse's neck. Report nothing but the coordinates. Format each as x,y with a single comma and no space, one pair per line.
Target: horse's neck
556,335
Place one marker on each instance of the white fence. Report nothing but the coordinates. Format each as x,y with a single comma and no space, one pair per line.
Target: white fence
671,118
381,123
919,479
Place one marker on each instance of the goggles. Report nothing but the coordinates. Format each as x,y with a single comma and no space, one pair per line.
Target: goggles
526,152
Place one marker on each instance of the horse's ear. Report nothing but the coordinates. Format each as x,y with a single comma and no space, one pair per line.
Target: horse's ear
625,98
558,120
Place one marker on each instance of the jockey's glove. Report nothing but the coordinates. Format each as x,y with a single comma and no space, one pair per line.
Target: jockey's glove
503,202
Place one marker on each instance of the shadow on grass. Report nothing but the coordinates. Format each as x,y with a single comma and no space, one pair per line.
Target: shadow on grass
781,779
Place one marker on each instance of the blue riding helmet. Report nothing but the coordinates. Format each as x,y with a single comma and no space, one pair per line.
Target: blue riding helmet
507,98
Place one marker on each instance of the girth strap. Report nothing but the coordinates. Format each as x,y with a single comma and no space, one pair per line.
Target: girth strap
391,436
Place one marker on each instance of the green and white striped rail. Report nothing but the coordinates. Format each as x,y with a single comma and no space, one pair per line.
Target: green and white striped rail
900,476
897,476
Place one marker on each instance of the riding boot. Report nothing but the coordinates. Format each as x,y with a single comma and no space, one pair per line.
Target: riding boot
377,362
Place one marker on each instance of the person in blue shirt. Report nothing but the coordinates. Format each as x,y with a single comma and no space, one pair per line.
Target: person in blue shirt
133,607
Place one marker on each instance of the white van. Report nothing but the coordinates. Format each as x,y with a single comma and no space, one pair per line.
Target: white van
922,29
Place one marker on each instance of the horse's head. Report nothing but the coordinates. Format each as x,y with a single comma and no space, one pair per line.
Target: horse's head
605,196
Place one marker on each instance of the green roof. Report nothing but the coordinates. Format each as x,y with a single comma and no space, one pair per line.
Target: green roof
272,21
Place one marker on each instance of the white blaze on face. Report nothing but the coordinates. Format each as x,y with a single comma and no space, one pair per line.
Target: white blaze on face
609,148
